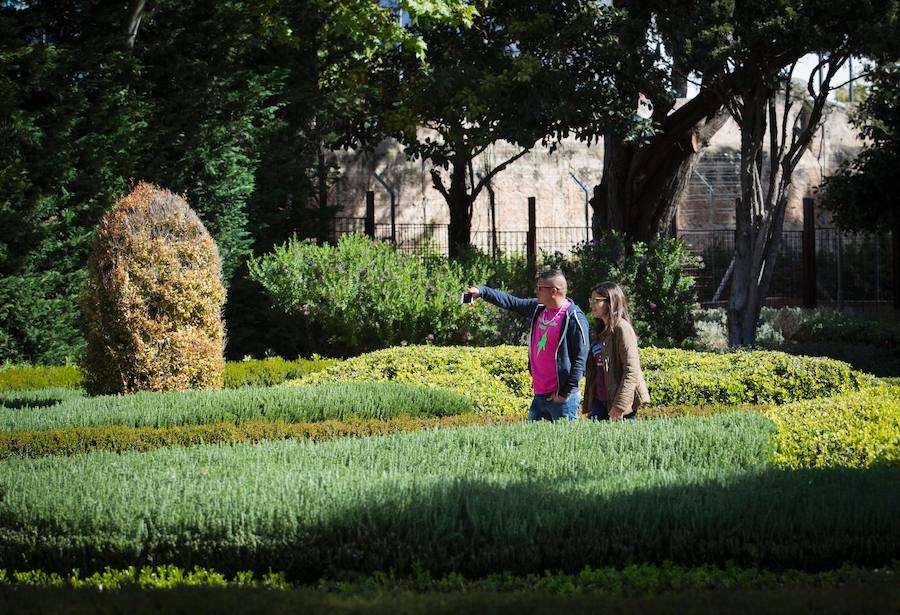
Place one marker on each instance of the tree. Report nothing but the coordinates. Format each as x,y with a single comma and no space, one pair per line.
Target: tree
768,39
644,178
69,134
504,79
862,194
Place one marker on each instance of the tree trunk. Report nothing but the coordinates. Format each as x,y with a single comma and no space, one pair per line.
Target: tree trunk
460,203
642,185
133,21
745,301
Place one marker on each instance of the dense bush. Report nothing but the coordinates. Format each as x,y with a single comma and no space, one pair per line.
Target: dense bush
26,377
250,372
859,430
660,295
868,345
473,500
292,404
494,379
754,377
121,438
269,372
632,580
778,326
497,381
154,298
360,295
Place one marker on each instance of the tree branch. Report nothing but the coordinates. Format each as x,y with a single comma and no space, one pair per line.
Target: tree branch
487,177
438,184
133,21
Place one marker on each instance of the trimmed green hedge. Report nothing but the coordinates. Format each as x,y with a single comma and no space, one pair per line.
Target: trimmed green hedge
473,500
121,439
632,580
253,372
290,404
24,378
858,430
496,378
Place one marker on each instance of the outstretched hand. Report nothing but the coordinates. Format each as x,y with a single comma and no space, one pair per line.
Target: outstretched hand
474,292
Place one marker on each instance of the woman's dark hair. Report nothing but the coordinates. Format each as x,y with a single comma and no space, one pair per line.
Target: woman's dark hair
616,305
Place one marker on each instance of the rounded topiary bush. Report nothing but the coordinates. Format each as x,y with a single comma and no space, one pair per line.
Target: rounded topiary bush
153,303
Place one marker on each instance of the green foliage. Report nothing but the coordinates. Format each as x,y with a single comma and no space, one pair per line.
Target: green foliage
249,372
660,296
497,380
480,499
269,372
471,93
70,132
290,404
153,303
861,194
836,327
24,377
146,577
872,346
755,377
360,295
631,580
122,439
858,431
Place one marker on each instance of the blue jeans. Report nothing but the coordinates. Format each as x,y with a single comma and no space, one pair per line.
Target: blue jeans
600,412
542,409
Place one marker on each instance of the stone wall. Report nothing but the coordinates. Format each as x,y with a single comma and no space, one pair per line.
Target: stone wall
550,177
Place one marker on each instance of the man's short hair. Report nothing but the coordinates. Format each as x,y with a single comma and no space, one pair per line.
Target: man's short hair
555,277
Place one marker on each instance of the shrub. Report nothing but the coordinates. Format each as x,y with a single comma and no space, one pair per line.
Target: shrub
26,377
858,430
292,404
824,326
122,439
632,580
660,295
250,372
496,379
474,500
361,295
270,372
153,303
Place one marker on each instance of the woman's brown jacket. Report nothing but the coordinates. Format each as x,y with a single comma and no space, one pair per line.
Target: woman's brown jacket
625,384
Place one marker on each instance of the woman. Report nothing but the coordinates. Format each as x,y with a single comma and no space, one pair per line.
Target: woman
615,386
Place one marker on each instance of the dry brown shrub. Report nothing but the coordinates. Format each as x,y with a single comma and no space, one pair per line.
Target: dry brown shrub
153,303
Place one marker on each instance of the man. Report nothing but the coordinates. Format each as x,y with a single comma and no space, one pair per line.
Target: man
557,344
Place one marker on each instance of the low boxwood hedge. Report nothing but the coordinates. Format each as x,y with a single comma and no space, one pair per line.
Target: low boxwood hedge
337,401
253,372
121,438
856,430
496,378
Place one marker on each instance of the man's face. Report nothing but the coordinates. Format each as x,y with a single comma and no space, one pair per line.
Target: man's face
544,290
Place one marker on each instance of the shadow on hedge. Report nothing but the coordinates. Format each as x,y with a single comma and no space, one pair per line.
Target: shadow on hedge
20,400
771,519
875,360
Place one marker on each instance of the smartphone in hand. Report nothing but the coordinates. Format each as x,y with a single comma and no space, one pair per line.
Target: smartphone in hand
466,298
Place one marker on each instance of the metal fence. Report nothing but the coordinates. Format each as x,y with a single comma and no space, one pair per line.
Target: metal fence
849,267
434,239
